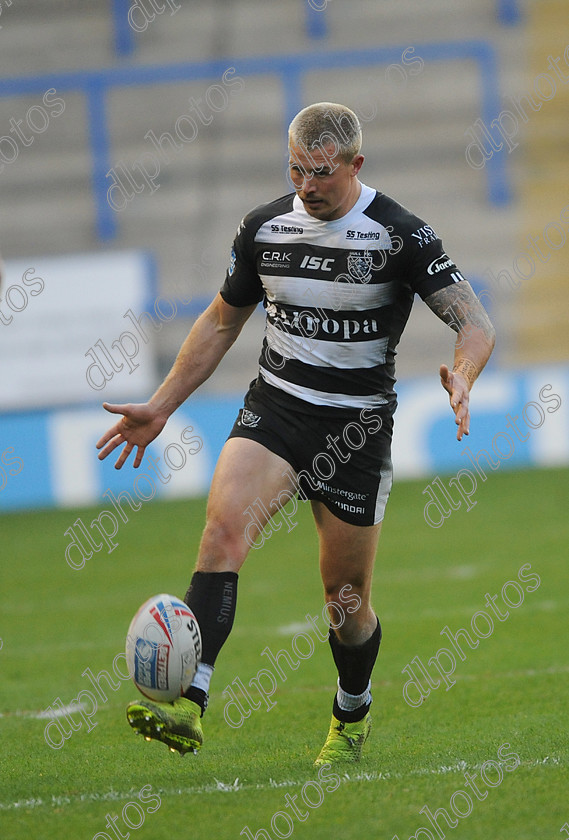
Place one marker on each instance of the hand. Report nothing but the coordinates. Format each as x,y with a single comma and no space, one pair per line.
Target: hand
138,427
459,391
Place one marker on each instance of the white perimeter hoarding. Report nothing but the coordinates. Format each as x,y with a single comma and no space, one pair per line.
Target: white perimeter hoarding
63,335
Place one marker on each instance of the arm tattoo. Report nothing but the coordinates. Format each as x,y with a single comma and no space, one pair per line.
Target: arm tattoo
467,369
458,306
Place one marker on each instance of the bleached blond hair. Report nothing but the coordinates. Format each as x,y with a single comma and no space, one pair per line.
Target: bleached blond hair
324,124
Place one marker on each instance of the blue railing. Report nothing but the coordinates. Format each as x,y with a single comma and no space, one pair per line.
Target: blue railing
509,12
289,69
122,31
316,21
124,36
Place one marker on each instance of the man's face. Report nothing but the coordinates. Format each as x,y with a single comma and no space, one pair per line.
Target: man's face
326,185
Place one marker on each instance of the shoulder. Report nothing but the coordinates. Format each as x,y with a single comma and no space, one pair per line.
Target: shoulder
264,212
386,210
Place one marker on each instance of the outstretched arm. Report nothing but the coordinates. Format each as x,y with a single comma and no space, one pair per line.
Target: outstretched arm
458,306
208,341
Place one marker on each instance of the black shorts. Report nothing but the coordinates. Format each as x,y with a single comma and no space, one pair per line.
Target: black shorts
341,457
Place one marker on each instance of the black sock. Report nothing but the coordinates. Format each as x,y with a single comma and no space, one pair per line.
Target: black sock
349,717
212,597
354,664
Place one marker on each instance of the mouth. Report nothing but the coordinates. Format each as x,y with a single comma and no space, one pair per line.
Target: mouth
313,202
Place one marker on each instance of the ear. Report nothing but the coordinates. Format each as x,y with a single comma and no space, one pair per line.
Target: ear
357,164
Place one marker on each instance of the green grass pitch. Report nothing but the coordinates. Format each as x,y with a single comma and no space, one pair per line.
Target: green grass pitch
57,622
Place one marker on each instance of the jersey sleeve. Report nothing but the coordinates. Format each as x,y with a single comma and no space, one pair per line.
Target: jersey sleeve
430,267
242,286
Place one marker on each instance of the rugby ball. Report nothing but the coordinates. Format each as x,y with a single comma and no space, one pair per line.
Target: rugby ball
163,648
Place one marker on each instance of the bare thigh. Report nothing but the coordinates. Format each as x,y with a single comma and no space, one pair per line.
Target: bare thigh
247,476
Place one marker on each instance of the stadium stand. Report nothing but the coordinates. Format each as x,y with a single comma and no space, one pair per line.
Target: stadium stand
415,146
543,300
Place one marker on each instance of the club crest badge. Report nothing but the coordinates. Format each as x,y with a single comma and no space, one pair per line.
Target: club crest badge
359,265
249,419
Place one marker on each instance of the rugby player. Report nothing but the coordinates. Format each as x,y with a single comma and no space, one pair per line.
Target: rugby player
336,264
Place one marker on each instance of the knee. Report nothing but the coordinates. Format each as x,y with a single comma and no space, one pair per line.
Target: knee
348,596
222,546
348,610
352,628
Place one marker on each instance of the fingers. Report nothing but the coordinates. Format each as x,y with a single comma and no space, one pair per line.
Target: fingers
128,427
123,456
113,438
459,403
105,439
463,425
117,429
117,440
139,456
459,395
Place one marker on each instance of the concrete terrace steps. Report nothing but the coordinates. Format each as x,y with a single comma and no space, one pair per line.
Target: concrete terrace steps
414,148
50,160
74,33
58,165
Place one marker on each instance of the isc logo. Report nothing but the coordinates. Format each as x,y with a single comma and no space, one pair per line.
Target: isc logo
317,262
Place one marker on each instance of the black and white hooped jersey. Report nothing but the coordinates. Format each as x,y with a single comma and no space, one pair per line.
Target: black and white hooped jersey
337,294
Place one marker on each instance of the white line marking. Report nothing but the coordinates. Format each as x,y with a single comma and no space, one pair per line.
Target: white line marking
294,628
388,617
46,714
236,785
379,683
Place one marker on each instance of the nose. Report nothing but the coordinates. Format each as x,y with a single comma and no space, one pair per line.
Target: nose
308,185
